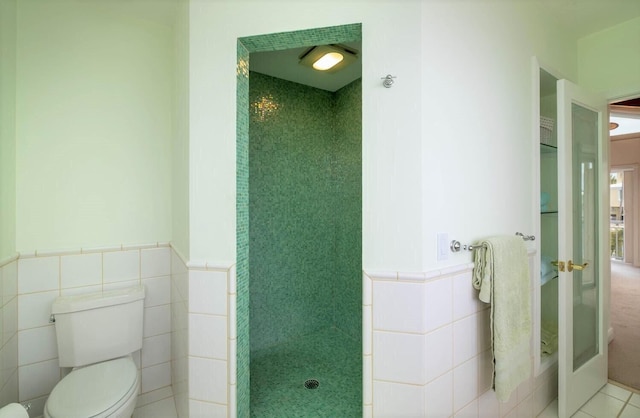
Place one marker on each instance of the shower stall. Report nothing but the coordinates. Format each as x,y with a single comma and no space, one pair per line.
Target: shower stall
305,246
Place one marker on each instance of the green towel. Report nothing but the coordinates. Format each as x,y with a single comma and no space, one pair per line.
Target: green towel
548,337
501,273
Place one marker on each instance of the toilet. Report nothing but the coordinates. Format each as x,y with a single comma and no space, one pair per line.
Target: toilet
97,334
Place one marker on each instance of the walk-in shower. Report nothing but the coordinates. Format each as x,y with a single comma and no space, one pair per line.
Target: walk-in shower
302,351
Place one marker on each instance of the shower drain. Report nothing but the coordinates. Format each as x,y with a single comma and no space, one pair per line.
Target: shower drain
311,384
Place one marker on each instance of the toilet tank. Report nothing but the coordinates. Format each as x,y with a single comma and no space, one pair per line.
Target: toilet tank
94,327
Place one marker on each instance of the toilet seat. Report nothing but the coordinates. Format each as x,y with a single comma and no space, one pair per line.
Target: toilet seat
95,391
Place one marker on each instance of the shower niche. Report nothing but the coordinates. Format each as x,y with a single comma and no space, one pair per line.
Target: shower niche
300,296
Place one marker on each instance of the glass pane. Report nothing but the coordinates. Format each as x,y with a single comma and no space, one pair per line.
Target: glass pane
585,234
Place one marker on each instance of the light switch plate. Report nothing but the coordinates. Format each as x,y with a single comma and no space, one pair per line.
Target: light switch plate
443,246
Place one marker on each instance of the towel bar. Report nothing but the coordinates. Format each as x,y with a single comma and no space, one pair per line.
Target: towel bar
456,246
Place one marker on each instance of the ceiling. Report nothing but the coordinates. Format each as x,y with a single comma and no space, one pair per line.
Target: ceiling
627,115
583,17
284,64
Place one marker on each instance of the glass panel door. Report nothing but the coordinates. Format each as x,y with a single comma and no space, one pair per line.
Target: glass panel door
583,250
585,234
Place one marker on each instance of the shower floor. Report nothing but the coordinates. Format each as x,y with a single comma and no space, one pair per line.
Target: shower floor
278,376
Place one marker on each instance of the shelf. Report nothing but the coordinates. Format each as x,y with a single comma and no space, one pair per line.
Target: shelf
548,149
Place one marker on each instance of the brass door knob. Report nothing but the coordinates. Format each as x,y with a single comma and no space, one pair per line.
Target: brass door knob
579,267
559,264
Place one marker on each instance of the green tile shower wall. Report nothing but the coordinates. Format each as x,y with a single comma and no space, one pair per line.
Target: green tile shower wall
304,211
295,39
242,233
348,185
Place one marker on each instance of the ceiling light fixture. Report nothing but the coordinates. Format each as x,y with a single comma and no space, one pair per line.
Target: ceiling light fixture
328,58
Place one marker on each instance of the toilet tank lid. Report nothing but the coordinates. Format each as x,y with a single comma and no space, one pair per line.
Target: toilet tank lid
86,301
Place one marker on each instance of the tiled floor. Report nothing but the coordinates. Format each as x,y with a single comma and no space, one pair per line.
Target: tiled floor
156,404
278,375
610,402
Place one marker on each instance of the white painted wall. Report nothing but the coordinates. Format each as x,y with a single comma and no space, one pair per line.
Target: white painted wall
609,60
477,117
94,120
425,169
7,128
391,126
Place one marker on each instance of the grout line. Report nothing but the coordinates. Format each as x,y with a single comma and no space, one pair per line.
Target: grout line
625,405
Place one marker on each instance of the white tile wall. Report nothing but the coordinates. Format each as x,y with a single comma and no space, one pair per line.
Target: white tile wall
9,331
179,333
190,324
212,346
430,350
40,278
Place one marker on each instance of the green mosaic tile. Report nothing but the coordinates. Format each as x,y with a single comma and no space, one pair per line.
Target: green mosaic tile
338,164
278,374
318,36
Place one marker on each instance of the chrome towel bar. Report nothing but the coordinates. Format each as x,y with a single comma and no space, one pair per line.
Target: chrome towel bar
456,246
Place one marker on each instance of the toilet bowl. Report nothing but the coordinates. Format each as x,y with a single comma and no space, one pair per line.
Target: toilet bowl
106,389
97,333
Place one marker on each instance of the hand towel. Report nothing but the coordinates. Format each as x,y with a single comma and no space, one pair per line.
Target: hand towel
501,274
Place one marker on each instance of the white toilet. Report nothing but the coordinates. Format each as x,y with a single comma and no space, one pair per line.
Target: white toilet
97,334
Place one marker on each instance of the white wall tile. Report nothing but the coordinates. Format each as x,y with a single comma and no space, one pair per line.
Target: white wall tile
157,320
199,409
208,292
208,380
121,285
157,291
81,290
9,281
80,270
38,274
34,309
37,379
439,396
367,329
37,405
398,400
208,336
469,411
37,344
9,391
465,384
465,296
488,405
9,320
485,371
399,357
156,377
367,380
156,350
389,315
439,352
465,339
438,305
155,262
121,265
9,359
525,408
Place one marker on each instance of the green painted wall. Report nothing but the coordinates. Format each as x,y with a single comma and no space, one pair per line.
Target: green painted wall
304,210
94,125
7,128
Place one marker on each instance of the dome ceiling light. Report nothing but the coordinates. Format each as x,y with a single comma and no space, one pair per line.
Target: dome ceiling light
328,58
